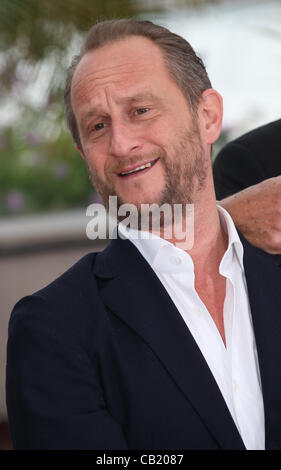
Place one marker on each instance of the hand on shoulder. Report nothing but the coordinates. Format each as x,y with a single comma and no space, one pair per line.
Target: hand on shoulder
256,212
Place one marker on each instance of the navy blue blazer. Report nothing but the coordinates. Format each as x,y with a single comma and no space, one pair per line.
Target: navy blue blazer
102,359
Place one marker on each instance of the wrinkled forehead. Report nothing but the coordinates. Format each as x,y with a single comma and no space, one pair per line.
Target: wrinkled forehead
127,60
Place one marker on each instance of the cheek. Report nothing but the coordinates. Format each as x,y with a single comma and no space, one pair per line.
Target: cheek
95,163
94,152
157,134
167,134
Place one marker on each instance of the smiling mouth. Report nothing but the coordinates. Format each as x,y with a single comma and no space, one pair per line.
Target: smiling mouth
138,169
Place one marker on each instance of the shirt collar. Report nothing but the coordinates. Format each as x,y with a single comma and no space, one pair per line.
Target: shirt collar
147,243
150,245
234,243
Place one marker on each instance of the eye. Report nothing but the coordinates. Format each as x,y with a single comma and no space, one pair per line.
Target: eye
99,126
141,111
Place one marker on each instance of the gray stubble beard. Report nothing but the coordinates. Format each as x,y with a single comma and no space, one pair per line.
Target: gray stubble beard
183,179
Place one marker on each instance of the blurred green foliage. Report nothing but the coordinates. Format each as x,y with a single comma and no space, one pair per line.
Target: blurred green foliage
40,169
41,175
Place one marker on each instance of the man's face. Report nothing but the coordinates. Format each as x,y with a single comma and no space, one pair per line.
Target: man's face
139,138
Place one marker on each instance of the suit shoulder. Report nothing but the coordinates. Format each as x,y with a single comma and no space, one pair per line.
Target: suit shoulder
78,274
267,132
255,140
64,302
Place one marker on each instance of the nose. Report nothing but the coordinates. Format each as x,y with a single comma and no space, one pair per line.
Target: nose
124,139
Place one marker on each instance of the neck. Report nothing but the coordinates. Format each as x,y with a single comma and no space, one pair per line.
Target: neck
210,244
207,250
210,240
205,240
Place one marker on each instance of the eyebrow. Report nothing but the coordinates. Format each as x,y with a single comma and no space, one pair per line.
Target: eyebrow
97,111
139,97
89,114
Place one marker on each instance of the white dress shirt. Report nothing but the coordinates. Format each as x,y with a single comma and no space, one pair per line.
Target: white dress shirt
234,366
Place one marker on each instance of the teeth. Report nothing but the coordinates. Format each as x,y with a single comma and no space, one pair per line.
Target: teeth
147,165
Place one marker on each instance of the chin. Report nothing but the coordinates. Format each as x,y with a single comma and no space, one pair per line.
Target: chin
138,198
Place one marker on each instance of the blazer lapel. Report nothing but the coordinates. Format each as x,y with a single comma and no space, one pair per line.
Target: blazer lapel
263,276
134,293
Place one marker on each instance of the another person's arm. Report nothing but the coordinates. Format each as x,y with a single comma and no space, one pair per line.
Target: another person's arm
256,212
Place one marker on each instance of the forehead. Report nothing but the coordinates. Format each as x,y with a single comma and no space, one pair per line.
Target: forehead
120,65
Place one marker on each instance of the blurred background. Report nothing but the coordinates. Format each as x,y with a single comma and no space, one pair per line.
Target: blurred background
44,186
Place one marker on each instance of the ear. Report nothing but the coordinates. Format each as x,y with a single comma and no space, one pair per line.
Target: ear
211,112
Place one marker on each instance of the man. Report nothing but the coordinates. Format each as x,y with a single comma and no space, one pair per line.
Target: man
145,345
253,161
